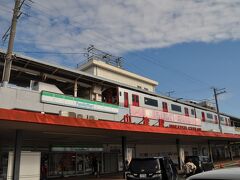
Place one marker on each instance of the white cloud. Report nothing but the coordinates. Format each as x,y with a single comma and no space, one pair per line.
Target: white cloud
122,26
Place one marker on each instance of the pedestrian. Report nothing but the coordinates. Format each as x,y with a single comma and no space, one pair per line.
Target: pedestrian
189,168
95,166
44,170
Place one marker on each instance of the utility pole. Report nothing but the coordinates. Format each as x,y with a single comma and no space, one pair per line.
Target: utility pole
216,93
8,58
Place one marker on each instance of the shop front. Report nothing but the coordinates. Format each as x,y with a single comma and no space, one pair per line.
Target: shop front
66,162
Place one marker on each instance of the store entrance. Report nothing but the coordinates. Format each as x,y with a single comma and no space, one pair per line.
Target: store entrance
66,164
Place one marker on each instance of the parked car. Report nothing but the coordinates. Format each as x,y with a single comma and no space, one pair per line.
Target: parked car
226,174
157,168
203,163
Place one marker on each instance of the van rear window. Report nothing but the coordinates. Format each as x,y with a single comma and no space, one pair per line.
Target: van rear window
148,165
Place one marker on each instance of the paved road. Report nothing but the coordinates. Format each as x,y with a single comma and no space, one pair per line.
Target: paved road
119,176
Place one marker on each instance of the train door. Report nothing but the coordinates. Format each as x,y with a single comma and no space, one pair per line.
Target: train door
165,107
186,111
203,116
126,101
135,100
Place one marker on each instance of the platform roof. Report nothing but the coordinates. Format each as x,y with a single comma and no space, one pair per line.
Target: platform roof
38,129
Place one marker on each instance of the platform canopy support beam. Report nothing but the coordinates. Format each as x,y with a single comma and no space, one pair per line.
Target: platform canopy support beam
178,153
230,151
124,154
210,151
17,154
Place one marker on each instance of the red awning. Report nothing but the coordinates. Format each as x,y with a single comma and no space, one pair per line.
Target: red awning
34,117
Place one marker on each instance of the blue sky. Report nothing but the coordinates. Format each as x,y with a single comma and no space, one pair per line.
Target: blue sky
188,46
191,69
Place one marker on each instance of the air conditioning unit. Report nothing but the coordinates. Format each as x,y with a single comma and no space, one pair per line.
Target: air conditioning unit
72,114
67,114
80,116
92,117
63,113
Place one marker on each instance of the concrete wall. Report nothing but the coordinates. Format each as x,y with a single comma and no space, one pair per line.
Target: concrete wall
25,99
29,166
122,79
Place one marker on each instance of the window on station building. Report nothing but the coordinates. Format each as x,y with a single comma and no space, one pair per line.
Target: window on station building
135,100
186,111
193,112
165,107
209,116
151,102
175,107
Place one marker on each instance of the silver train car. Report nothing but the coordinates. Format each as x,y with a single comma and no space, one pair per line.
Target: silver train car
128,98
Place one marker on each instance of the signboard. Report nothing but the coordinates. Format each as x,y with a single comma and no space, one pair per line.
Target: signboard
166,116
63,100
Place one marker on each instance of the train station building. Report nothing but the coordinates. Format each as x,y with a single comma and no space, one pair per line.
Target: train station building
54,121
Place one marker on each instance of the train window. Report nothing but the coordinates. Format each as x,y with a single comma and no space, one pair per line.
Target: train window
135,100
209,116
151,102
176,108
126,102
203,116
146,89
221,118
186,111
193,112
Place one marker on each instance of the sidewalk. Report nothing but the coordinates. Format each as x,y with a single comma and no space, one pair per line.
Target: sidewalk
101,177
227,163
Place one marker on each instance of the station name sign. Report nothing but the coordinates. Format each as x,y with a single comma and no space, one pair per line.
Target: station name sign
184,127
166,116
69,101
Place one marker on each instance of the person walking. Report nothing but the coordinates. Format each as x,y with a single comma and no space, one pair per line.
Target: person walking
189,168
95,166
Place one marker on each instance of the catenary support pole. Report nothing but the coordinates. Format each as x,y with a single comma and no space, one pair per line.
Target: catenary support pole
17,155
124,151
216,93
230,151
8,58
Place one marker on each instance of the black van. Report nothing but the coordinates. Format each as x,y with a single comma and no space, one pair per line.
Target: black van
157,168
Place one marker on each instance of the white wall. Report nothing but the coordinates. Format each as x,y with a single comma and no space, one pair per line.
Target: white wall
29,166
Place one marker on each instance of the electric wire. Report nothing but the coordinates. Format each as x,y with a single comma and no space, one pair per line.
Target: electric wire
146,58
